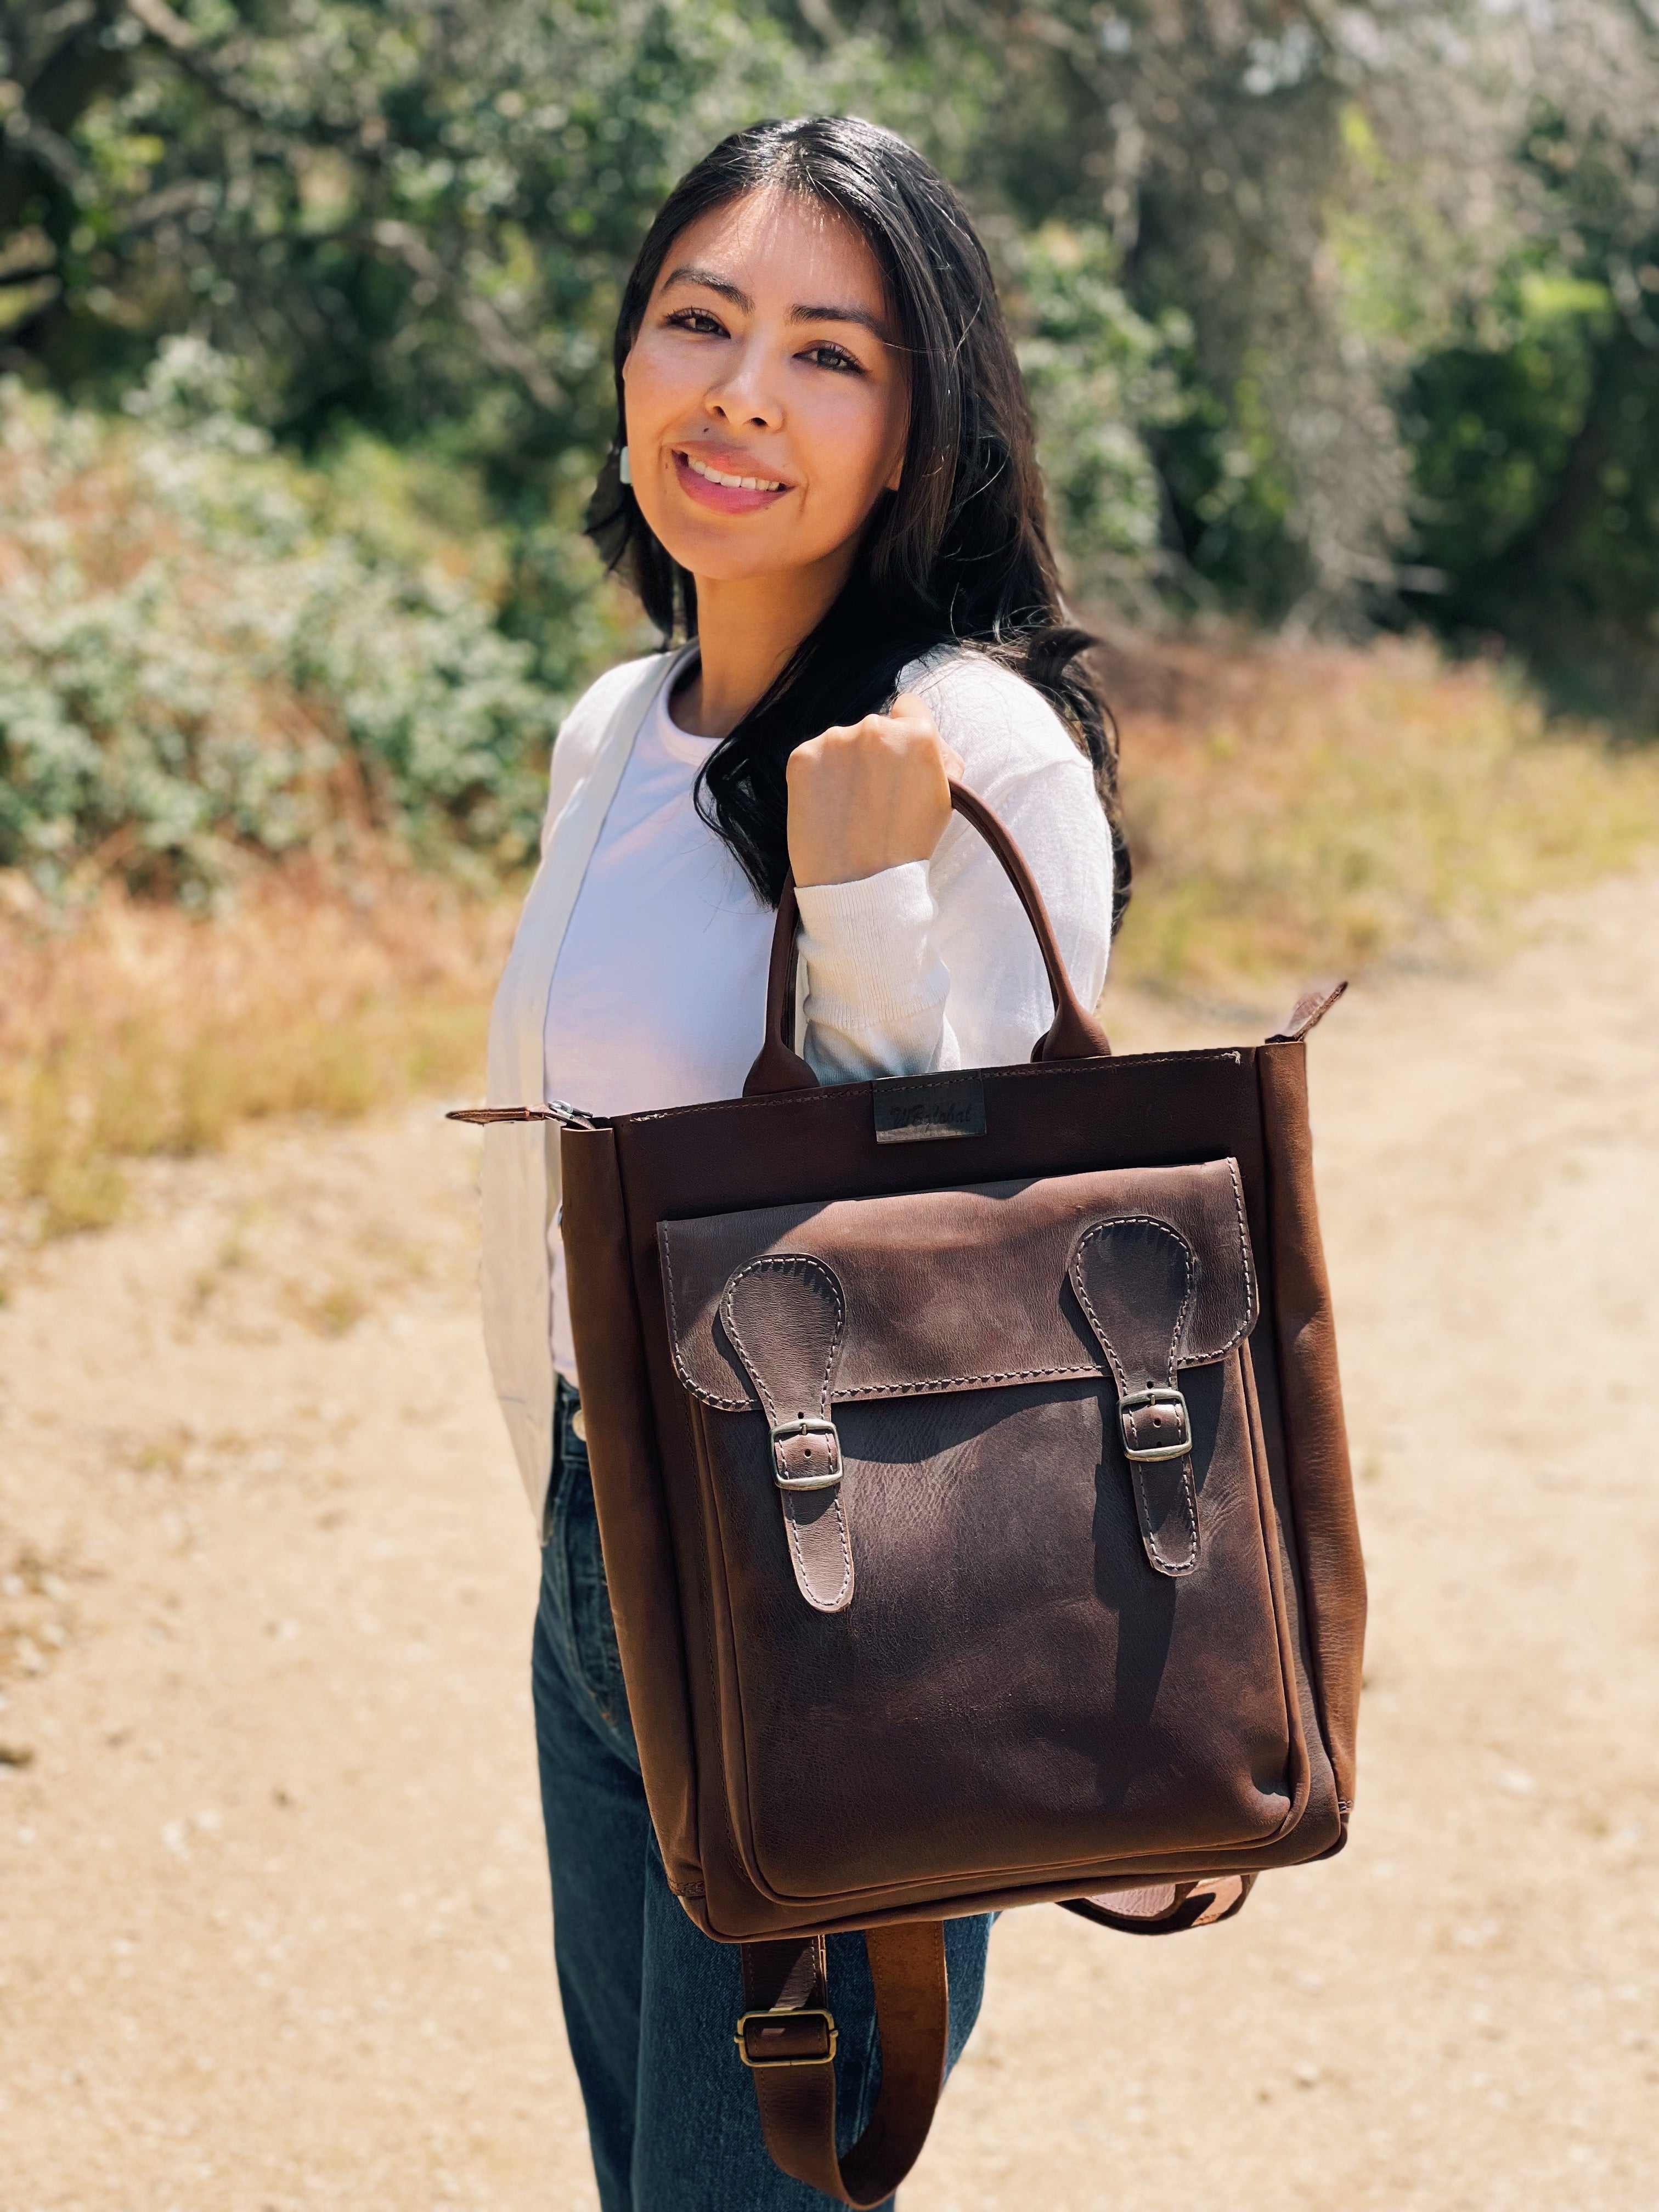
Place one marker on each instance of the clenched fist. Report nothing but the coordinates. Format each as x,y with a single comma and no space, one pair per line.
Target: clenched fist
869,796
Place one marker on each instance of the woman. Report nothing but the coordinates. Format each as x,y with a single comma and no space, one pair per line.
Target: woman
824,486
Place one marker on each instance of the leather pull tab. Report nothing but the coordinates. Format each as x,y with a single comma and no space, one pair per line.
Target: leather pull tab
555,1109
785,1315
1309,1010
1135,1280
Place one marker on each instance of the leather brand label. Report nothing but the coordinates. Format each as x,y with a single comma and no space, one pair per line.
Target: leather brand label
910,1109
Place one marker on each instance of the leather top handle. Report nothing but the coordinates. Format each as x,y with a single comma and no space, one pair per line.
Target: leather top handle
1074,1034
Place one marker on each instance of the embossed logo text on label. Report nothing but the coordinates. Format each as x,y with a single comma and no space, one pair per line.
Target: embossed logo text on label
910,1109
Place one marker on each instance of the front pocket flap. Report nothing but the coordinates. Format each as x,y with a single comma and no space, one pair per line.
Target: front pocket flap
961,1289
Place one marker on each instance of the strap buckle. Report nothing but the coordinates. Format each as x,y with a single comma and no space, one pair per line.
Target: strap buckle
1158,1402
805,1425
773,2024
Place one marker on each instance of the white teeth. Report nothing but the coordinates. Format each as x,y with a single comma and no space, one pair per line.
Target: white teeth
738,483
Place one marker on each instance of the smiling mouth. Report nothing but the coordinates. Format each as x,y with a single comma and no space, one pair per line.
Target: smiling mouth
725,479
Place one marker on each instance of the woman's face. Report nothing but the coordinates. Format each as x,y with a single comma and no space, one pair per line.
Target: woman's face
767,404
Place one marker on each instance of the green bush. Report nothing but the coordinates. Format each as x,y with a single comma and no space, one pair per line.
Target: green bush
1099,377
200,657
1537,477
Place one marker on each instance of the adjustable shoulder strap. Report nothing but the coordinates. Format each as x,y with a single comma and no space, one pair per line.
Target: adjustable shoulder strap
786,2037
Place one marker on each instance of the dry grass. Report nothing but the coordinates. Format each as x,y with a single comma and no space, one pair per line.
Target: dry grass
1294,811
139,1030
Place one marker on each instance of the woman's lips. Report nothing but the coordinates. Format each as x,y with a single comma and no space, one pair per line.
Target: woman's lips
725,498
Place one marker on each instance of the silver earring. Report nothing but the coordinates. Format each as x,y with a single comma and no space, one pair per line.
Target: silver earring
625,467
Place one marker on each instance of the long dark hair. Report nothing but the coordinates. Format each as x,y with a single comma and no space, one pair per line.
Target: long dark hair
959,552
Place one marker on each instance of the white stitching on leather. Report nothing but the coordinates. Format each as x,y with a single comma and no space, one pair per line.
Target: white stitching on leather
1251,1308
1189,1501
803,1572
1188,1488
1015,1071
781,1262
864,1393
868,1390
1075,1274
674,1330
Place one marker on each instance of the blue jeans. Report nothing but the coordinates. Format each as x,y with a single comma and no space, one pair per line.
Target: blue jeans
650,2002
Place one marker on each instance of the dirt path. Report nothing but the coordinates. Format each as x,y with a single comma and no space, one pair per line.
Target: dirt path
273,1928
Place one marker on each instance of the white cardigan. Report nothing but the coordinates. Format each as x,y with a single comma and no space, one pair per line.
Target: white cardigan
967,987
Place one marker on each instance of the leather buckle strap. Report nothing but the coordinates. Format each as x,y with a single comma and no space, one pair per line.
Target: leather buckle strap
1135,1277
1162,1413
784,1315
772,2038
784,1986
804,1429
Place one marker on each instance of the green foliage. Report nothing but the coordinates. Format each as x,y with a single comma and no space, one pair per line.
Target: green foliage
1318,304
1099,376
199,659
1233,494
1537,465
1494,423
415,218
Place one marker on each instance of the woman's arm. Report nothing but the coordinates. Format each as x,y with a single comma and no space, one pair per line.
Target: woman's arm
928,961
869,797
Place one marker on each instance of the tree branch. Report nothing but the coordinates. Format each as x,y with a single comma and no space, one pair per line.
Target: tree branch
159,20
499,343
51,29
40,143
66,69
26,255
172,199
170,30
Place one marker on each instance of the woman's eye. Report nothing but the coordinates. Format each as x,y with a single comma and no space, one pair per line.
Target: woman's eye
697,320
833,357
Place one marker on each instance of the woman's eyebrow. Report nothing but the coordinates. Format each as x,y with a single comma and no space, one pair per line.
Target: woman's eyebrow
688,273
862,316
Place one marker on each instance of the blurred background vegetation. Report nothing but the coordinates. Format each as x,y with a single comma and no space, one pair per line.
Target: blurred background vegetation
1342,326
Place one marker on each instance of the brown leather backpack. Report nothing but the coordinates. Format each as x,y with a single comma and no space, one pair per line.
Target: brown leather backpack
975,1500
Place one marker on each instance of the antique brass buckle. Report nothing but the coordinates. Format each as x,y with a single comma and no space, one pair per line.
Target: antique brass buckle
1138,1402
779,2015
805,1425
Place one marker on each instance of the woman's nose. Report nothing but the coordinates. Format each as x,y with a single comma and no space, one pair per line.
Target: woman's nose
746,396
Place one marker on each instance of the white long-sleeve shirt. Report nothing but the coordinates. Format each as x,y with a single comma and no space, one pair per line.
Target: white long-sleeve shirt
642,956
934,965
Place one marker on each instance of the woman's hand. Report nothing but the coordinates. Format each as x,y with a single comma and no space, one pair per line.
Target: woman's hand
870,796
